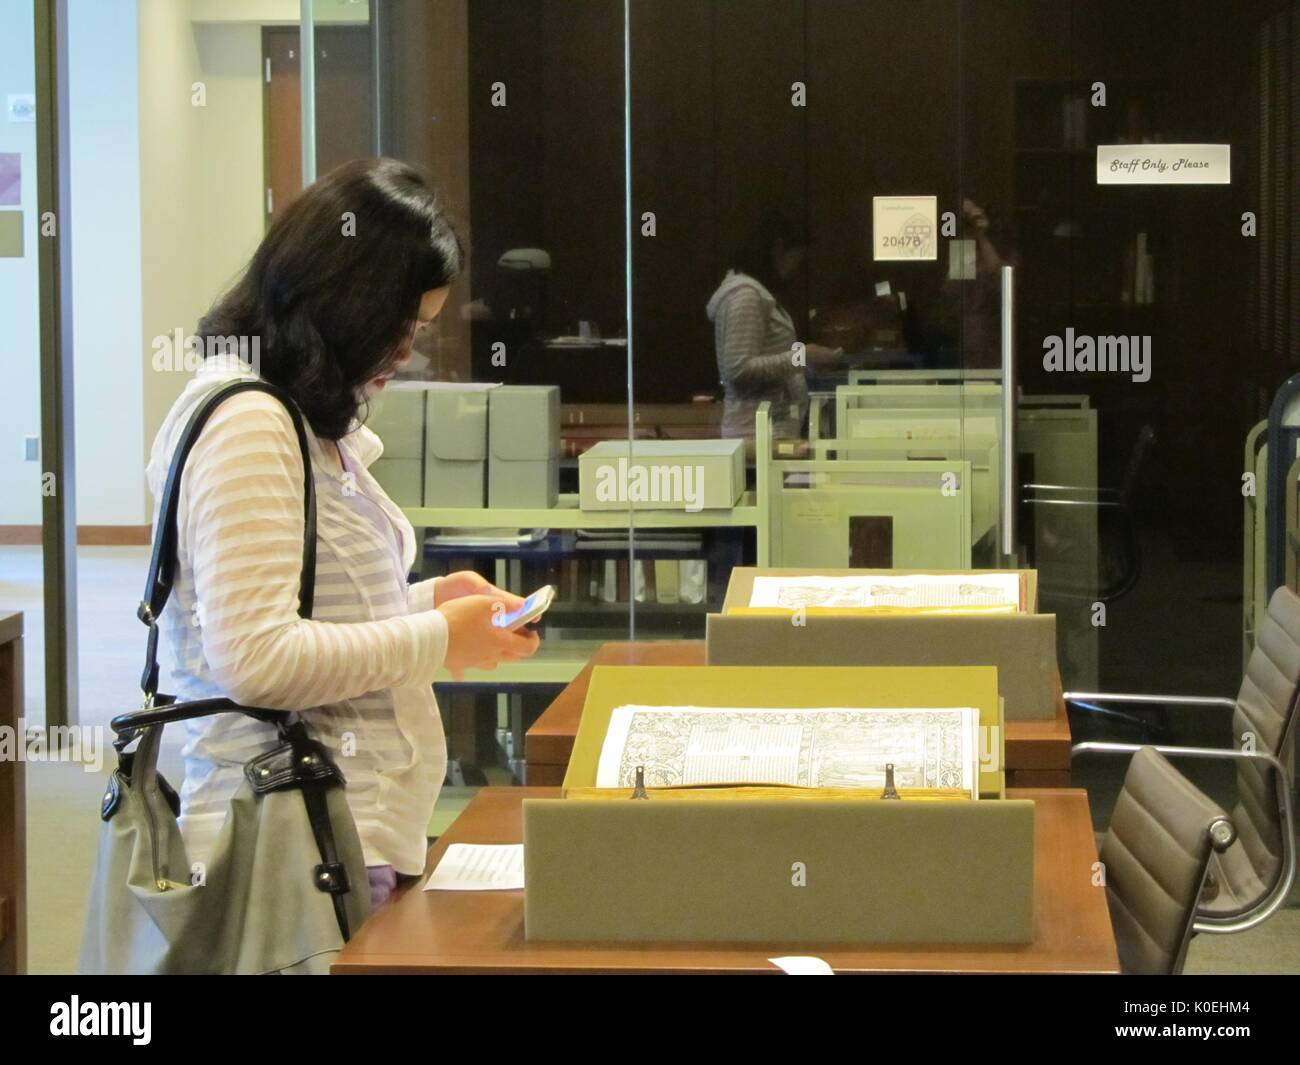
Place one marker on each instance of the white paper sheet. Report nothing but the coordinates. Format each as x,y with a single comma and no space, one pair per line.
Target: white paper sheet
798,965
810,747
904,592
479,867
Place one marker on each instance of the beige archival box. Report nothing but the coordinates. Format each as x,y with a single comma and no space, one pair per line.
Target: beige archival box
743,865
1022,646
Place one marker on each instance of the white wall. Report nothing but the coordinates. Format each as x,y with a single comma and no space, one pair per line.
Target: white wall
20,413
232,192
167,206
201,175
170,169
104,216
103,65
278,12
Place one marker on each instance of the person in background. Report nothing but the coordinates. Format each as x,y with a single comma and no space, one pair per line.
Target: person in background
970,310
754,335
335,314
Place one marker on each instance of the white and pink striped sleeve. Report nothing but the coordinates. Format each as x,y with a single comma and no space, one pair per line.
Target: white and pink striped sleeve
241,519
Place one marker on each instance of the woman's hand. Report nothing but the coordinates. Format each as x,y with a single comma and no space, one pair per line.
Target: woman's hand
821,356
467,582
473,642
974,214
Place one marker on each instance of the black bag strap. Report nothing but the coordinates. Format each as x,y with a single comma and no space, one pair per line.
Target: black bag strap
330,876
165,710
162,566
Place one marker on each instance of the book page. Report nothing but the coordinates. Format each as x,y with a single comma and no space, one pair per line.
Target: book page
919,591
820,747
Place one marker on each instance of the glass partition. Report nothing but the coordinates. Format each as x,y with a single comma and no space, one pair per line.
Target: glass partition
1140,361
857,236
345,69
815,284
22,562
933,232
513,110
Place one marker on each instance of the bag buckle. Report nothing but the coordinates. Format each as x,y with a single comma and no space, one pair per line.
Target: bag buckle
112,798
331,877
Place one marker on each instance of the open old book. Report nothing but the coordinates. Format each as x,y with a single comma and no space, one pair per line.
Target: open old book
934,751
949,593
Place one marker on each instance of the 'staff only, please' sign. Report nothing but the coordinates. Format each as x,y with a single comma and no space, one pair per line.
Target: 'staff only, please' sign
1164,164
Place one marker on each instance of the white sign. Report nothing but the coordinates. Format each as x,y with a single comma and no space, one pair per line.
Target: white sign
904,227
1164,164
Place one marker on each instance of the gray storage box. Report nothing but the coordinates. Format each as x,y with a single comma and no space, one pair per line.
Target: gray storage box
455,454
662,475
397,417
523,446
402,479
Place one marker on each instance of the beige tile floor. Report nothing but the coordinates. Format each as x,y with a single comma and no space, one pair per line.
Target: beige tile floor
63,799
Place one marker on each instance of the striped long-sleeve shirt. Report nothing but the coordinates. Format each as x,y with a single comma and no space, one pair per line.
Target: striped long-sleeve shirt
754,341
361,669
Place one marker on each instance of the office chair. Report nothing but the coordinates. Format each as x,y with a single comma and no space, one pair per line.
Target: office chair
1156,855
1252,877
1122,558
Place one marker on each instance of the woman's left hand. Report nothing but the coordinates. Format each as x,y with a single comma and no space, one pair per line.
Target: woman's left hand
467,582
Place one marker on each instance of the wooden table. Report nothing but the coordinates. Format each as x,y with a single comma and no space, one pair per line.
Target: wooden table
1037,752
483,931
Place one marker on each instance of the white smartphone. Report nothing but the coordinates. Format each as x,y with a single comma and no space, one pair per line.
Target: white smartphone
534,607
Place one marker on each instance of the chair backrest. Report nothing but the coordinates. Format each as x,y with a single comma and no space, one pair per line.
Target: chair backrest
1137,461
1266,711
1155,856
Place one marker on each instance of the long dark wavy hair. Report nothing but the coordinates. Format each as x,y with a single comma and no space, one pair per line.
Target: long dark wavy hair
333,291
753,254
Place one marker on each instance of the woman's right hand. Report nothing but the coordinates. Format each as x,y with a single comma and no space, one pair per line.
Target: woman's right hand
473,642
820,356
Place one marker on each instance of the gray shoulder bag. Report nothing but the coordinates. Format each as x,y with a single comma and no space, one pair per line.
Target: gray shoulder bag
286,881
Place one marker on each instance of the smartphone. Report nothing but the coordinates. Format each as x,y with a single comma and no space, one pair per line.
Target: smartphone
534,607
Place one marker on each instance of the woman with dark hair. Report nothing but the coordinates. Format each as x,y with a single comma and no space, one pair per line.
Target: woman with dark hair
754,335
327,309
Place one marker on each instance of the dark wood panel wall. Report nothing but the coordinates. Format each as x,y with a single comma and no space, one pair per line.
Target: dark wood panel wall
546,169
903,96
424,87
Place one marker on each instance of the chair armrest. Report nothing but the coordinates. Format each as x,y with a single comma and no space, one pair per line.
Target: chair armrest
1129,549
1221,753
1095,504
1079,489
1282,788
1131,699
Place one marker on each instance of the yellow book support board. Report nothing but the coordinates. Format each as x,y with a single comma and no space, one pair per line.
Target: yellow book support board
810,686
